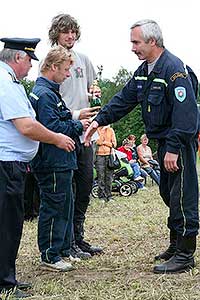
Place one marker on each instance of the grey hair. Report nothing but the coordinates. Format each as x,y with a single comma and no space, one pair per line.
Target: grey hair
8,55
150,29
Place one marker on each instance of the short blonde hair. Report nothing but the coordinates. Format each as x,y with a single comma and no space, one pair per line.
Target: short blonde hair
143,136
57,55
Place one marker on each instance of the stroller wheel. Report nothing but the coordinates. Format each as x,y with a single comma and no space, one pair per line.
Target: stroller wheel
125,190
134,186
94,191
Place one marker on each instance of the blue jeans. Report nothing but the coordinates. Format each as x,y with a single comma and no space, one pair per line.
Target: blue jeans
137,172
55,215
136,169
153,174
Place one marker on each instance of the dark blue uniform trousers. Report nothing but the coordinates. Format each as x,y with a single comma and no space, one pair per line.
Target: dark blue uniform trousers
12,182
179,190
55,214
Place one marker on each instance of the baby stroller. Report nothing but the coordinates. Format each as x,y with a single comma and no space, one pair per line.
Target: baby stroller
122,180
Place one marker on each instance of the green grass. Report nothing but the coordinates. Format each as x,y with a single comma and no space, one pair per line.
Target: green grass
132,231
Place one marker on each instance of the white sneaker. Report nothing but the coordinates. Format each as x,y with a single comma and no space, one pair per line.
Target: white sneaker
60,266
72,259
139,178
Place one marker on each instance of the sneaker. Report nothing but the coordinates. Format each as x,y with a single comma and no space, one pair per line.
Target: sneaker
77,252
86,247
139,178
71,258
60,266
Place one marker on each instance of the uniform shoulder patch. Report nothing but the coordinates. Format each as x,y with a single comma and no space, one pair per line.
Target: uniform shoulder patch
180,93
178,75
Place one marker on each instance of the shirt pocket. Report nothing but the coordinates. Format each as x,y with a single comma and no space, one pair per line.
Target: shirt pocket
156,109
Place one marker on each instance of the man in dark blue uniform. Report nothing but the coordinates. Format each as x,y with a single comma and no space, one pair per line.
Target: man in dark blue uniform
166,89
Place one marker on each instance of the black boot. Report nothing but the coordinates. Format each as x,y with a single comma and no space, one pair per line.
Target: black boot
82,244
171,249
182,260
78,231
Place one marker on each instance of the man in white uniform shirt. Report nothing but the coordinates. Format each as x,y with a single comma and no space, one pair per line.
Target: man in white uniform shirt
19,136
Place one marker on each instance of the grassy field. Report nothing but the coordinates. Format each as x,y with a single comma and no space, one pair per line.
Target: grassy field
132,231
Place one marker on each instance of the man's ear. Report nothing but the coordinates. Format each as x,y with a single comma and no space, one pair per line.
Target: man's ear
54,67
152,41
17,57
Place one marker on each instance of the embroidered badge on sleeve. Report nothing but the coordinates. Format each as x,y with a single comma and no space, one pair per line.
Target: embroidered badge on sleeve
180,93
178,75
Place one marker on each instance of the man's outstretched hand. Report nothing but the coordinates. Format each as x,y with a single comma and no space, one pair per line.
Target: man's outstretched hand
89,132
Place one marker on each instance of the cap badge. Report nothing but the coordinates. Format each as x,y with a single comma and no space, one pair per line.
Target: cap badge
29,49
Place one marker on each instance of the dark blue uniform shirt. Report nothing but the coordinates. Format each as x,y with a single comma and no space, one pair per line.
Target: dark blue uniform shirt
167,97
52,112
